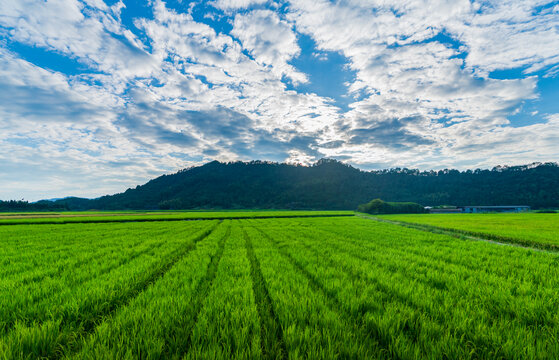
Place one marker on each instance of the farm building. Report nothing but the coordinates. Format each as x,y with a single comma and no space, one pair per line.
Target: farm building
482,209
432,210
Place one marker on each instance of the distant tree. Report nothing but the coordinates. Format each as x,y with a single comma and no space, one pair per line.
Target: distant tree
377,206
22,205
330,184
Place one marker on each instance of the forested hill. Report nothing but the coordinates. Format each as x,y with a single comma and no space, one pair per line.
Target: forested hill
330,184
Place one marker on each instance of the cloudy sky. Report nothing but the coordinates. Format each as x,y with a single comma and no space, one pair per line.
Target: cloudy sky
98,96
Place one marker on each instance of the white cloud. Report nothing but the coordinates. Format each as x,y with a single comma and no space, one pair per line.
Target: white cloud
244,85
199,94
206,100
508,35
33,93
236,4
58,136
420,87
270,40
70,28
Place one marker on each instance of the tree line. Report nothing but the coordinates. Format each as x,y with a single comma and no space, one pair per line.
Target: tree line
330,184
22,205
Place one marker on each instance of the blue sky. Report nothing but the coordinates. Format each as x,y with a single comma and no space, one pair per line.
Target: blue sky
99,96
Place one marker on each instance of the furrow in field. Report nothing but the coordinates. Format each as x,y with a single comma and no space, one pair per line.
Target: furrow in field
312,324
227,325
201,293
76,323
331,297
39,259
41,296
381,292
321,254
440,250
381,254
472,235
330,275
73,266
139,287
22,240
155,325
273,345
35,303
386,247
532,228
458,302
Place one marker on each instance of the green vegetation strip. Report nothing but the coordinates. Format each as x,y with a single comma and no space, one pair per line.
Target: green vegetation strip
357,326
57,333
465,235
443,299
202,291
176,217
297,288
158,323
53,283
227,326
312,324
530,230
273,346
58,263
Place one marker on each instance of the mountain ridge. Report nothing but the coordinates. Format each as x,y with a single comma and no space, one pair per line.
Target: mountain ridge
330,184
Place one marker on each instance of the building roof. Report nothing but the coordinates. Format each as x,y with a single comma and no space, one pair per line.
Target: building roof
495,207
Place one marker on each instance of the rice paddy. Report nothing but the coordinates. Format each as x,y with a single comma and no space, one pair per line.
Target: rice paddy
528,229
336,287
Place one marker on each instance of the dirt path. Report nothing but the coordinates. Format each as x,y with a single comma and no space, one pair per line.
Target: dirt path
455,234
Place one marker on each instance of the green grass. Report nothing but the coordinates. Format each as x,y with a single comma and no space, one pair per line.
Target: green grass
273,288
108,217
528,229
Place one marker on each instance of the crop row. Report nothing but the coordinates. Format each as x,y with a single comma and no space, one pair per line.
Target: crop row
318,288
175,216
526,229
418,305
43,315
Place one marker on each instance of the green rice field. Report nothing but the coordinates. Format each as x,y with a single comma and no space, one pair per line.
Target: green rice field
529,229
141,216
335,287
